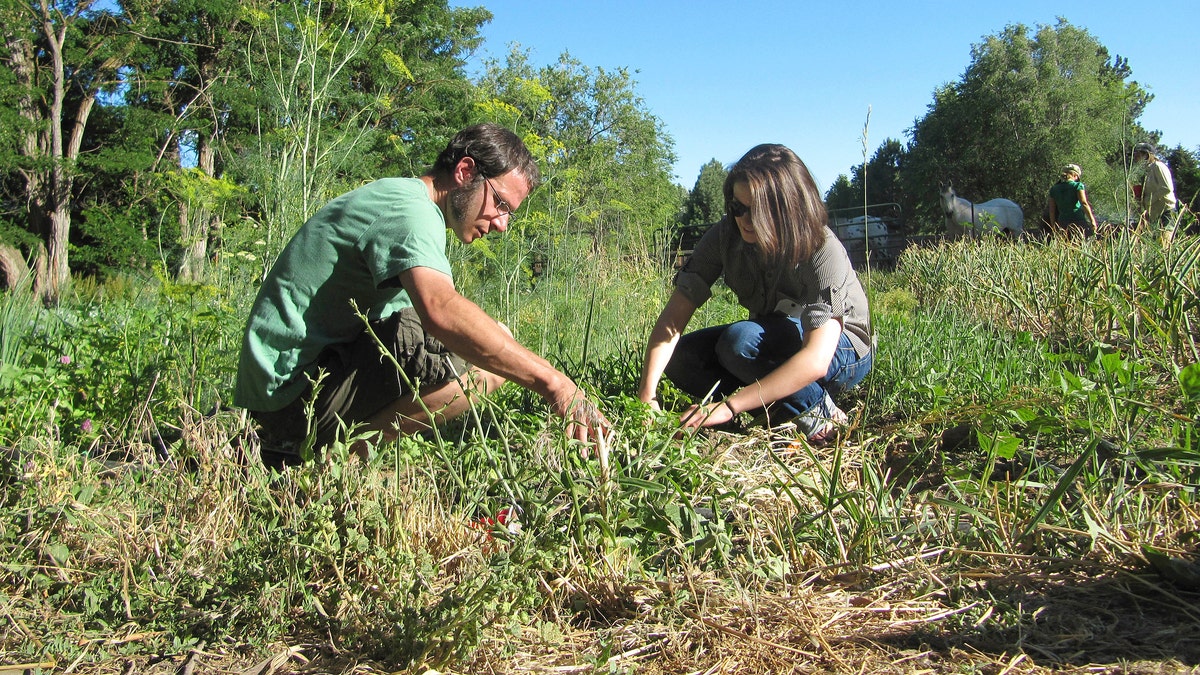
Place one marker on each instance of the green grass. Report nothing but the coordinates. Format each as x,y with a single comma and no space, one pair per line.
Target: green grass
1031,417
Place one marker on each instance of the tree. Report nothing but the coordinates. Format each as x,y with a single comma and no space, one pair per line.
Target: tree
706,202
1185,170
190,62
350,90
141,123
177,96
1023,107
606,159
883,181
843,194
62,55
883,172
417,63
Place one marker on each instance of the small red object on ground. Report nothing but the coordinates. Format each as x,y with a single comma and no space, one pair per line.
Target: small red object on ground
508,518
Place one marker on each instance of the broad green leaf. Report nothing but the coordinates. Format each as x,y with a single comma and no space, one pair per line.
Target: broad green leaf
1189,380
60,553
1002,445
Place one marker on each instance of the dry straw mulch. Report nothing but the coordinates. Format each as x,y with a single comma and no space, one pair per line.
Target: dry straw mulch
932,611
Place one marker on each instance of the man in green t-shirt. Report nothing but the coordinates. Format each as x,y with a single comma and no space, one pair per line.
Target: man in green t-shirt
380,250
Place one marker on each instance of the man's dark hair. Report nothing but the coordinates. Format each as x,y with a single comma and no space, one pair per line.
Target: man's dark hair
496,151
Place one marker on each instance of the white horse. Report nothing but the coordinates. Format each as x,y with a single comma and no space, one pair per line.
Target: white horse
1001,216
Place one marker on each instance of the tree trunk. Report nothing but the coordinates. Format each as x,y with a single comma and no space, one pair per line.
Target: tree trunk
192,267
13,268
33,144
58,274
197,222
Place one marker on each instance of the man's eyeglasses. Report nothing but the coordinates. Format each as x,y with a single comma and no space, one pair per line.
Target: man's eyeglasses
502,207
738,209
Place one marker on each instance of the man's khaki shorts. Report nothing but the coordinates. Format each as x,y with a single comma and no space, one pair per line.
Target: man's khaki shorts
359,381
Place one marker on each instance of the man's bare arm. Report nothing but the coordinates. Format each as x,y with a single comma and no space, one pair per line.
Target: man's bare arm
468,331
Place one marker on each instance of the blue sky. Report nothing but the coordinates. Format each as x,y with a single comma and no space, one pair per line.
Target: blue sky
725,76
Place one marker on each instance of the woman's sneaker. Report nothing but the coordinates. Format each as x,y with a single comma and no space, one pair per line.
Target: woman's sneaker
819,424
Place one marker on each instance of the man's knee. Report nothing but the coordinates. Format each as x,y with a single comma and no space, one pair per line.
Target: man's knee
491,380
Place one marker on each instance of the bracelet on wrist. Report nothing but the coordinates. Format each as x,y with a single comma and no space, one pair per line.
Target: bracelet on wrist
730,407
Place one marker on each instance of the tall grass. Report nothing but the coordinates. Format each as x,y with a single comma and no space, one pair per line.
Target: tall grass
1133,290
1017,415
20,316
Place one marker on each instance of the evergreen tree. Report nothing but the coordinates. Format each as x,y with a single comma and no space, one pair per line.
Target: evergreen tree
883,172
843,194
882,181
706,202
156,154
1185,171
62,56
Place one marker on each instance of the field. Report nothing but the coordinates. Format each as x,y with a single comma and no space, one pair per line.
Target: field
1015,493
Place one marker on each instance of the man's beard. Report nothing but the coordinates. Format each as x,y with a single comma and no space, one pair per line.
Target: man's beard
460,200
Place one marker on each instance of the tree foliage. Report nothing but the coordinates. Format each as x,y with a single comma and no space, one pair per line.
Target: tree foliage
351,91
882,180
842,194
166,132
1185,170
122,117
606,160
883,171
706,201
62,56
1026,105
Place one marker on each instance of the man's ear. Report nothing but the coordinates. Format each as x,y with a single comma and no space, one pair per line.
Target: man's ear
465,171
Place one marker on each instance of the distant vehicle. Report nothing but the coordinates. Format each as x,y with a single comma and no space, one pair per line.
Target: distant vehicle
868,233
860,227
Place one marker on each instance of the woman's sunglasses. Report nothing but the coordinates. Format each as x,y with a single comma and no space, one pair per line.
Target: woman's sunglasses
737,209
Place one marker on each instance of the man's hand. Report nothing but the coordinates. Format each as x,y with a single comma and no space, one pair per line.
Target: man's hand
469,332
585,422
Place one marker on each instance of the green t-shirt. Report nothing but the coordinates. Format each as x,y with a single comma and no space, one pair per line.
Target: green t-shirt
354,248
1065,194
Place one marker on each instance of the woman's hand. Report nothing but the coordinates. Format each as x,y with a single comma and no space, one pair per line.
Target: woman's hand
707,415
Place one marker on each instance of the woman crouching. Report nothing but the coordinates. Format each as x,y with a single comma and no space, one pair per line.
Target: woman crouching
808,335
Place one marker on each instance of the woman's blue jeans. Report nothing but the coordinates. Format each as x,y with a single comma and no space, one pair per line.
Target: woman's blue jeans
734,355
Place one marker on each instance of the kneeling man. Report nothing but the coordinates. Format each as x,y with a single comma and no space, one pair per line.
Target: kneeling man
382,249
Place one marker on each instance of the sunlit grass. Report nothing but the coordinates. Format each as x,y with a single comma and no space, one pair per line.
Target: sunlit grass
1028,418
